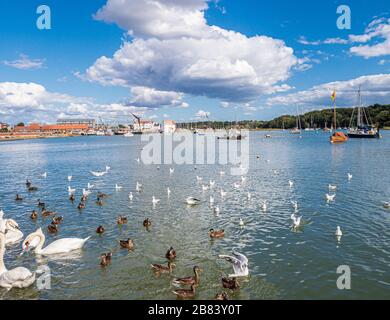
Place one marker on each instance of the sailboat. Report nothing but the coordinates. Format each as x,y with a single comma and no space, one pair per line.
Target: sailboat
311,128
363,129
337,136
297,129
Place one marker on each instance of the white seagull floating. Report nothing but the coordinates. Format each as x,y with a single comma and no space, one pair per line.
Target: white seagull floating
239,263
168,191
205,188
138,187
71,191
199,178
171,170
295,204
296,221
350,176
118,188
90,186
329,197
338,233
223,193
291,183
212,183
44,175
211,199
131,196
241,223
70,178
332,187
192,201
12,231
155,200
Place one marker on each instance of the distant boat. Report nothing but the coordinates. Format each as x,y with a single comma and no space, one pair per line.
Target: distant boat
338,136
297,129
128,134
363,129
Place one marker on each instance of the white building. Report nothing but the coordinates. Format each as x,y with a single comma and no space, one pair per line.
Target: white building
169,126
146,126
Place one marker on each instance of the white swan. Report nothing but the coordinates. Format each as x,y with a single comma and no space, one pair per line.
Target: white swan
296,221
37,240
239,263
332,187
329,197
12,231
16,278
192,201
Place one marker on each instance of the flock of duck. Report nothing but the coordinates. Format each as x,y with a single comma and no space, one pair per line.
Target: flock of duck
21,277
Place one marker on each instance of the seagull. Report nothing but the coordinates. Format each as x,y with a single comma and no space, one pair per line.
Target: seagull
291,183
350,176
138,187
243,179
107,168
276,172
338,233
205,188
44,175
249,196
171,170
199,178
98,174
71,191
118,188
138,160
332,187
211,200
131,196
216,210
237,185
329,197
223,193
222,173
264,206
168,191
241,223
296,221
90,186
70,178
86,193
295,204
239,263
212,183
155,200
192,201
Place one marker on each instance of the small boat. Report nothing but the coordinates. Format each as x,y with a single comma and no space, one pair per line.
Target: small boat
363,129
337,136
128,134
297,129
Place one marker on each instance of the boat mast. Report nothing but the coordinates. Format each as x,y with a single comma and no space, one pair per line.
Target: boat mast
334,114
359,112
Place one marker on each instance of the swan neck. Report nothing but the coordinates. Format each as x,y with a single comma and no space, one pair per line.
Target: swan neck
39,247
2,251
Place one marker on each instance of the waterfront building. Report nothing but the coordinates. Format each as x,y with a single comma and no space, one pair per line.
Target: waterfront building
169,126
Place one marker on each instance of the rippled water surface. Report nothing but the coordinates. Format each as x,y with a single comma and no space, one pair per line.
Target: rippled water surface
283,264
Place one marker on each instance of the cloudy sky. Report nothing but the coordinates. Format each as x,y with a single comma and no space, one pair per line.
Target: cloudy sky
189,59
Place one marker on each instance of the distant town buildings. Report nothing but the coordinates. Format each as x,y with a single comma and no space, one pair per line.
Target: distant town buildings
169,126
59,128
146,126
90,122
4,126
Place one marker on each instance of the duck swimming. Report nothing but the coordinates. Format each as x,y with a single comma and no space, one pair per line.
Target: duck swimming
127,244
16,278
158,268
18,198
57,220
28,183
185,293
121,220
32,188
230,283
46,213
37,240
192,280
215,234
34,215
105,259
81,206
171,254
100,230
147,223
72,197
52,228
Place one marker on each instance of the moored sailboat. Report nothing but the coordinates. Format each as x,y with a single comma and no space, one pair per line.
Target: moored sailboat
337,136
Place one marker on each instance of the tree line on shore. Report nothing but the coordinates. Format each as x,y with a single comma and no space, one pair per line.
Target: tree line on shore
379,115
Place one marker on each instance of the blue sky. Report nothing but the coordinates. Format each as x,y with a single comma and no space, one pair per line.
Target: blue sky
166,60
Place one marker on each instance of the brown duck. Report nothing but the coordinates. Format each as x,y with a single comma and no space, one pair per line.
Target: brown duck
81,206
127,244
57,220
72,197
230,283
99,202
46,213
100,230
34,215
40,204
192,280
18,198
52,228
121,220
105,259
215,234
171,254
158,268
221,296
185,293
147,223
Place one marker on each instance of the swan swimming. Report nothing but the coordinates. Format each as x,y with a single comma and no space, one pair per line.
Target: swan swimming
19,277
37,240
192,201
239,263
12,231
329,197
